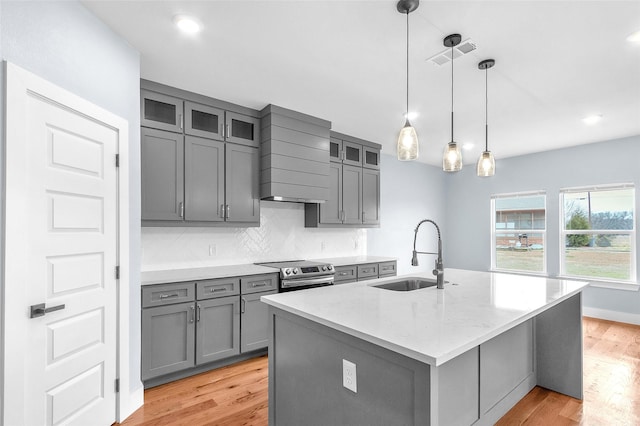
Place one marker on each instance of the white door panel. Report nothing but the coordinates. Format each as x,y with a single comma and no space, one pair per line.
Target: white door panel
69,206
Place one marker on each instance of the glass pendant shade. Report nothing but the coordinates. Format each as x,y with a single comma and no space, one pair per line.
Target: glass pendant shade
486,164
452,158
408,147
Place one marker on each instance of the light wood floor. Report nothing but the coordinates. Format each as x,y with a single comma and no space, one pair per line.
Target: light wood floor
237,395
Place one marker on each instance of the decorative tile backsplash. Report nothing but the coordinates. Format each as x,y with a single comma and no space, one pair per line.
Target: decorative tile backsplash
281,236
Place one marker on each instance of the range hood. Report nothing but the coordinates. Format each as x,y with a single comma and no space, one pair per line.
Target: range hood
294,164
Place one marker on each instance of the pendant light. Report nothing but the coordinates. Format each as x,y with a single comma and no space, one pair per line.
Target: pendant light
407,146
486,162
452,157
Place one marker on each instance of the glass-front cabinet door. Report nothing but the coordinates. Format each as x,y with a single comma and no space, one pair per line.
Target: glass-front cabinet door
203,121
371,159
352,153
161,112
335,150
242,129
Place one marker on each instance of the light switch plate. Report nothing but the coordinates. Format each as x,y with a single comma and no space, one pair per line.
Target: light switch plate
349,378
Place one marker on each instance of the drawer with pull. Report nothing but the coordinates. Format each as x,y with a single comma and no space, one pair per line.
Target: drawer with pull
368,271
259,283
346,273
386,269
168,294
220,287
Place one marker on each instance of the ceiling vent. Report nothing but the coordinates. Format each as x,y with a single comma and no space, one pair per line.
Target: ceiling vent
444,57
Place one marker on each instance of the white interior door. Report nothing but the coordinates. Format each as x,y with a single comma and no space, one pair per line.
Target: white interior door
61,255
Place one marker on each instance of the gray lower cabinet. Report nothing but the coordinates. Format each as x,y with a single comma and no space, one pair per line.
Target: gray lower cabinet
188,324
351,273
217,329
168,339
255,324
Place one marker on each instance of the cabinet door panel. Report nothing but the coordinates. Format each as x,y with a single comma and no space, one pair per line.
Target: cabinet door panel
218,329
352,194
162,174
242,183
370,196
167,339
331,210
352,154
254,323
203,121
242,129
160,111
204,179
335,150
371,158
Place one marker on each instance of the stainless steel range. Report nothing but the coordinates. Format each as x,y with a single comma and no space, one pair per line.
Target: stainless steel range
302,274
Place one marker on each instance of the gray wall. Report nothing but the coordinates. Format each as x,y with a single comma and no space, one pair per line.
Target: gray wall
64,43
468,207
409,192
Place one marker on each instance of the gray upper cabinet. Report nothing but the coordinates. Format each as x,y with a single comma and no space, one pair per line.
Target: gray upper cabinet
370,196
203,121
351,194
200,160
161,111
162,169
203,179
242,129
354,185
242,184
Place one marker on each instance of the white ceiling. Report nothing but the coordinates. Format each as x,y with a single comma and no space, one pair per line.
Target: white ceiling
344,61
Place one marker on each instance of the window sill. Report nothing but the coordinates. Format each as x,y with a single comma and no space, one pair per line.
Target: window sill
615,285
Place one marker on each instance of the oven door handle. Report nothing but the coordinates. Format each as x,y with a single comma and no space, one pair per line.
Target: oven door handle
307,281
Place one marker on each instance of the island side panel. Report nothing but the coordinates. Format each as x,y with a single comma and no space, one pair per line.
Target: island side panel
305,378
559,347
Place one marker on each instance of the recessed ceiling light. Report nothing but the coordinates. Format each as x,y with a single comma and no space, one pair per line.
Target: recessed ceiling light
186,24
635,37
468,146
592,119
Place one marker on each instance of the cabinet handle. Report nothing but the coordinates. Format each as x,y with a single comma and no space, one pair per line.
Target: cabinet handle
228,212
193,314
228,132
215,290
166,296
198,316
243,305
181,208
342,274
221,213
261,284
181,119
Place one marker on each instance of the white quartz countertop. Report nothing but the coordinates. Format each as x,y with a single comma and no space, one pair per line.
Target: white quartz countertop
430,325
212,272
354,260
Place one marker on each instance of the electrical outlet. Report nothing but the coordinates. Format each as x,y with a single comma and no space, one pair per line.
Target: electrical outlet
212,250
349,378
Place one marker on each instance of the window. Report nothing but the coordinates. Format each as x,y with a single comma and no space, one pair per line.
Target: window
518,232
598,233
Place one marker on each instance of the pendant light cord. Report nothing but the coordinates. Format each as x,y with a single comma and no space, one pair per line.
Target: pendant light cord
407,117
452,92
486,109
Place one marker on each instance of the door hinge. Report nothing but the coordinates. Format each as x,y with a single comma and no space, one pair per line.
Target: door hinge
117,385
117,160
117,272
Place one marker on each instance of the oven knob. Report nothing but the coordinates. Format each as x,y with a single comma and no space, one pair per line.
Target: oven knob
330,267
287,271
295,270
324,268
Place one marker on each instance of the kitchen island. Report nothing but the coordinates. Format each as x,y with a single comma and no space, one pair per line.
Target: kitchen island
458,356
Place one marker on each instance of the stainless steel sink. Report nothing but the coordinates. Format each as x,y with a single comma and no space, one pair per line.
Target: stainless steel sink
407,284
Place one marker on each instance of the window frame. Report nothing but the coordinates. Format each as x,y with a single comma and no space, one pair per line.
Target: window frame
495,232
563,232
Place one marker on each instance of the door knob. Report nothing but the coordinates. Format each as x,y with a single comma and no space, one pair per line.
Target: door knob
39,310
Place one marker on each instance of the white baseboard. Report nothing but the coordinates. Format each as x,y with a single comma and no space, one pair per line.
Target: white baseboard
130,403
611,315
